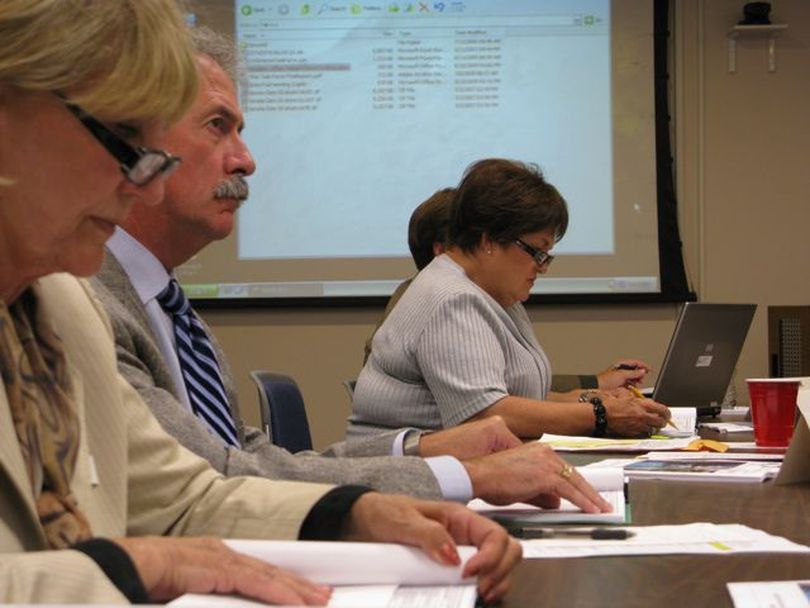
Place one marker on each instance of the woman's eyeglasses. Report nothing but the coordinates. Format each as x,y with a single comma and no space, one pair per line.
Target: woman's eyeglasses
541,258
140,165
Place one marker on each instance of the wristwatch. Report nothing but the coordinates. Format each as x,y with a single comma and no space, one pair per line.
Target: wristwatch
410,445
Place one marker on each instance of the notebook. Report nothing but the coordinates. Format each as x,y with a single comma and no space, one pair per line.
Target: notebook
702,354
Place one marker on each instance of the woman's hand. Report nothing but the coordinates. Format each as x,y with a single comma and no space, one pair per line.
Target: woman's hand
630,416
436,527
621,373
170,567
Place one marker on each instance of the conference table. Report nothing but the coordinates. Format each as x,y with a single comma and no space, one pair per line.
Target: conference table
675,580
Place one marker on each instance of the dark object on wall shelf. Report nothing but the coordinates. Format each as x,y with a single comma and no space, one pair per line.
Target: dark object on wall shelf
756,13
788,341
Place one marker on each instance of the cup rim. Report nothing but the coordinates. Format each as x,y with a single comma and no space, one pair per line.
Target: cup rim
776,380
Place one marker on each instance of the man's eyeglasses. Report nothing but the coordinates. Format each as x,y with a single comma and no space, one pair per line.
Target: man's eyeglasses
541,258
140,165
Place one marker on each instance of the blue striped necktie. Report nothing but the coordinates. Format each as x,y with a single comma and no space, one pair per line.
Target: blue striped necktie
206,390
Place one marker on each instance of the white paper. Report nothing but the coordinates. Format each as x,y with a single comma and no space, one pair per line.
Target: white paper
737,410
702,538
570,443
344,563
690,468
745,445
685,419
769,594
609,483
728,427
741,456
362,596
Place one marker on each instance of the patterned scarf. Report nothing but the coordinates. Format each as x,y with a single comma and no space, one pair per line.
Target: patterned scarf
37,386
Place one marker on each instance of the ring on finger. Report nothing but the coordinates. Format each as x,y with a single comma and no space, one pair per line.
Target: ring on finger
566,471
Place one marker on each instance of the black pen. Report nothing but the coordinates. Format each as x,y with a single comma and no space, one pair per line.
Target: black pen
592,533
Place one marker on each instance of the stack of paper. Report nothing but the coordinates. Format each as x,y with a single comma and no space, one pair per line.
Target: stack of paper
691,468
713,539
363,574
770,594
361,596
569,443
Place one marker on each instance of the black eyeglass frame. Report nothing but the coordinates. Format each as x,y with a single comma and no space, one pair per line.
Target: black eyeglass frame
541,258
139,164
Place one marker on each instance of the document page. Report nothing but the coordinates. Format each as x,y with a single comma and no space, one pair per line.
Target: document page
691,468
699,538
345,563
570,443
360,596
769,594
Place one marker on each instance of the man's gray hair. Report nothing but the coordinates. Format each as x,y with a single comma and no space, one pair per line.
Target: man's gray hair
219,47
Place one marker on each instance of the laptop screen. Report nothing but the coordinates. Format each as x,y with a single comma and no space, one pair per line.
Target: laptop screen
702,354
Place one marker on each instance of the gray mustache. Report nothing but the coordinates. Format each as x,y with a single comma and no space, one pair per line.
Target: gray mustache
234,187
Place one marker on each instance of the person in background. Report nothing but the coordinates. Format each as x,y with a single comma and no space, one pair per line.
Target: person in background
202,196
427,236
95,494
459,345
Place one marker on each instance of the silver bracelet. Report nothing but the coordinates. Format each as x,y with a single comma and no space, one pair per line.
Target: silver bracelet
410,445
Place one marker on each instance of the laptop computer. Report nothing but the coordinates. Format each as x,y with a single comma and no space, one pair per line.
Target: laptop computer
702,354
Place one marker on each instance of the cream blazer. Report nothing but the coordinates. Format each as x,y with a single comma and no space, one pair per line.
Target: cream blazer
131,477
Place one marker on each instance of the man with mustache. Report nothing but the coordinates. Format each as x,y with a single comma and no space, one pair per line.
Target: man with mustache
194,398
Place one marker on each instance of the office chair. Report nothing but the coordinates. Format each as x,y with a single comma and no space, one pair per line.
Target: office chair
281,404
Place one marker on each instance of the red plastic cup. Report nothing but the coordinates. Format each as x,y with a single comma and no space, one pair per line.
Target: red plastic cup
773,409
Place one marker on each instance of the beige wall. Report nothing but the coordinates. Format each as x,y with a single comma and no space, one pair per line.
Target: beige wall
742,151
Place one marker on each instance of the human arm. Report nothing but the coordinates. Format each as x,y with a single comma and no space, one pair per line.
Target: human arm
626,416
621,373
142,364
470,439
72,578
170,567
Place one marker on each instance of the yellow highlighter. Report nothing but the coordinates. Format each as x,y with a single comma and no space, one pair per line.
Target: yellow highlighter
634,389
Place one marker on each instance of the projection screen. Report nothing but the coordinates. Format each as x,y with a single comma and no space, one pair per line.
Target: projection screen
358,111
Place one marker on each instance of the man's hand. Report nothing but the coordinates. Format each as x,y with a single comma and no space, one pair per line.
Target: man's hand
436,527
170,567
531,473
626,371
468,440
630,416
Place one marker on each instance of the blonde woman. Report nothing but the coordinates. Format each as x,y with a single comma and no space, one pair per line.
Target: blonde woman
90,482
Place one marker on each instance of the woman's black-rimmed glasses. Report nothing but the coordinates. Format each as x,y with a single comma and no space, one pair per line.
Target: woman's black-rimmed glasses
140,165
541,258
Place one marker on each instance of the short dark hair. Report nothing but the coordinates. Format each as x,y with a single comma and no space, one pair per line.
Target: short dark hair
428,226
505,200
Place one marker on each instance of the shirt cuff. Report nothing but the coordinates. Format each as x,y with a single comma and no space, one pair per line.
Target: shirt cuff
399,440
327,518
117,566
453,479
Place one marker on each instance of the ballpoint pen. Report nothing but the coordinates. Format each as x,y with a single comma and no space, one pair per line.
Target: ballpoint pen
634,389
592,533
